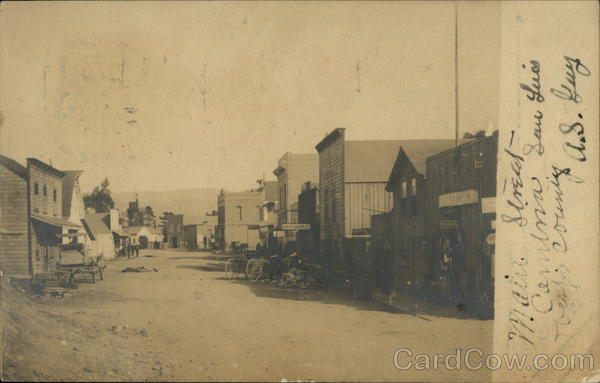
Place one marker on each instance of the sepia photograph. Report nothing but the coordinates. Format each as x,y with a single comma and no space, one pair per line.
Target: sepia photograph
299,191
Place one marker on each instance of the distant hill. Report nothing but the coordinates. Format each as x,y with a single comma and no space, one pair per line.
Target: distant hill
192,203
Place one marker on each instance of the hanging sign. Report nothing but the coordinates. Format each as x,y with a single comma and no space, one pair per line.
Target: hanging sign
465,197
488,205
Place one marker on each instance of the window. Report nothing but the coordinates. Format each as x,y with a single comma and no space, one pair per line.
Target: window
238,210
54,196
403,201
45,189
35,188
413,186
73,235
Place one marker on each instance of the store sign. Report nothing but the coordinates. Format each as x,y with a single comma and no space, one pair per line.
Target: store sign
448,224
466,197
488,205
278,234
296,226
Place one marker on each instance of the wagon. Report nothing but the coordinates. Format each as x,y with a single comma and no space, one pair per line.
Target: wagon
241,264
73,261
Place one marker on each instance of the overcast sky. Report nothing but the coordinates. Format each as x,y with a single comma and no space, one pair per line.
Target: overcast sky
162,96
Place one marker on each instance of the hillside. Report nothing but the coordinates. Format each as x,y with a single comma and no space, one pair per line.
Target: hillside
192,203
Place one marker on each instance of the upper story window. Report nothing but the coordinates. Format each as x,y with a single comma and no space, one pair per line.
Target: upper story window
54,195
413,186
238,211
36,190
45,190
404,191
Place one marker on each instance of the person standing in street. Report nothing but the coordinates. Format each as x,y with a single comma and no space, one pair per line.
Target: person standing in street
135,247
129,248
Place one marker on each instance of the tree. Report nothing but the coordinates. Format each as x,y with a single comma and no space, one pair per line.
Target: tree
479,135
100,198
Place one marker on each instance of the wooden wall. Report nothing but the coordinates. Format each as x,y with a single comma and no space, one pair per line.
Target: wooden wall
45,204
473,166
331,202
331,197
14,247
361,201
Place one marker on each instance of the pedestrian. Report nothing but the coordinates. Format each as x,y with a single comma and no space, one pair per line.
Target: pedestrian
446,268
135,247
458,278
129,248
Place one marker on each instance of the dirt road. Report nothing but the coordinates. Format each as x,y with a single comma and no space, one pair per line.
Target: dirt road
187,322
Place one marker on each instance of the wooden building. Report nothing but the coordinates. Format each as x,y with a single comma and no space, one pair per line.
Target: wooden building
293,170
193,236
268,215
404,246
14,219
381,260
308,213
100,235
56,212
352,180
53,213
239,224
460,214
175,236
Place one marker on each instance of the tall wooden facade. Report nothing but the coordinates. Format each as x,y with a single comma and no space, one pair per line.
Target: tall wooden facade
14,219
410,234
460,204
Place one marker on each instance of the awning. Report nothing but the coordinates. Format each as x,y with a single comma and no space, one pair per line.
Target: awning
55,221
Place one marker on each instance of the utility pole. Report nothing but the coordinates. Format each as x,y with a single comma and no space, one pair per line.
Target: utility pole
456,74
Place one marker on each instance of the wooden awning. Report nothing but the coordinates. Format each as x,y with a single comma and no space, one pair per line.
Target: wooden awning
54,221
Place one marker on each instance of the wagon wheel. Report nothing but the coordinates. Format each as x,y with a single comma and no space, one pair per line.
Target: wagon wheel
230,269
253,270
239,269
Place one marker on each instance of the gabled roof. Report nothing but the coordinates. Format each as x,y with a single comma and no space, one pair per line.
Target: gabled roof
374,161
99,223
136,229
416,152
13,166
45,167
69,180
369,161
55,221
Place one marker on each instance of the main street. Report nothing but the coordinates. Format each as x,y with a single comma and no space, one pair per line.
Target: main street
186,321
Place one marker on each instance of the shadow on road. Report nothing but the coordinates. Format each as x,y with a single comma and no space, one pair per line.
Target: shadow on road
211,266
403,305
266,290
202,258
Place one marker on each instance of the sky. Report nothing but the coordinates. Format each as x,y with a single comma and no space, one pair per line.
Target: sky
159,96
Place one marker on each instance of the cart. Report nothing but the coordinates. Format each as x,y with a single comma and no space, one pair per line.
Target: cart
241,263
73,262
